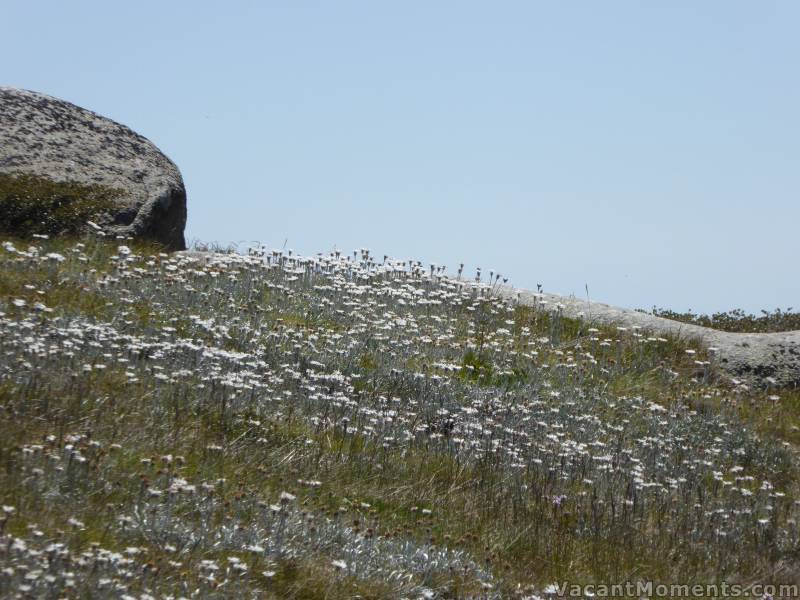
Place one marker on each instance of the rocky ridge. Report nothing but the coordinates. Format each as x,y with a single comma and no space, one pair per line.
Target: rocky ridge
760,359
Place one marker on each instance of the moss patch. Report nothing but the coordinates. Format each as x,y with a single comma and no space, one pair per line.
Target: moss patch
31,204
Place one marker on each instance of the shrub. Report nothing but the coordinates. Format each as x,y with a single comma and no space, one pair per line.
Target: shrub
31,204
737,320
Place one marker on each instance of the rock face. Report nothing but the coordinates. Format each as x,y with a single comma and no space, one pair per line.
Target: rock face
47,137
760,359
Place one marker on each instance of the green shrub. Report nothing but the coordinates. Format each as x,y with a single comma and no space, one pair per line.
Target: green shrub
30,204
737,320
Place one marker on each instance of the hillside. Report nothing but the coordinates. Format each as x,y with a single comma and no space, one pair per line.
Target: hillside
216,425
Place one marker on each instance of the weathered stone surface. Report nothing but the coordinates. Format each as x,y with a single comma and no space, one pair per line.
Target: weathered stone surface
760,359
47,137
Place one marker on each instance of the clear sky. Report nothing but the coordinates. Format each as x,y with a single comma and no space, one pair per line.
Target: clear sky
648,150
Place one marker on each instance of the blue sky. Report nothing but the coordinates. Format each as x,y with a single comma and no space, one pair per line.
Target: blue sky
649,151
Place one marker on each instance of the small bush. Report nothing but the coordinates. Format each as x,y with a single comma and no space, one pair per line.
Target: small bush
737,320
30,205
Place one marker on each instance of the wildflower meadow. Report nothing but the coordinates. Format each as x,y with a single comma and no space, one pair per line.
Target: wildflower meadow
215,424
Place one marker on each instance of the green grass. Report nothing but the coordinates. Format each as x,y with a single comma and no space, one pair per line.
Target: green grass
33,205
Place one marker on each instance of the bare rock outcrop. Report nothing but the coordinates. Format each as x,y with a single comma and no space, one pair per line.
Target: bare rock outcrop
761,359
50,138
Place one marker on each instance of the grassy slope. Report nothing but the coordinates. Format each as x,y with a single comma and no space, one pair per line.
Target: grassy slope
516,447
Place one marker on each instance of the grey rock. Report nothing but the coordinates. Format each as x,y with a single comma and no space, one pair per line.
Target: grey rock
762,360
47,137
